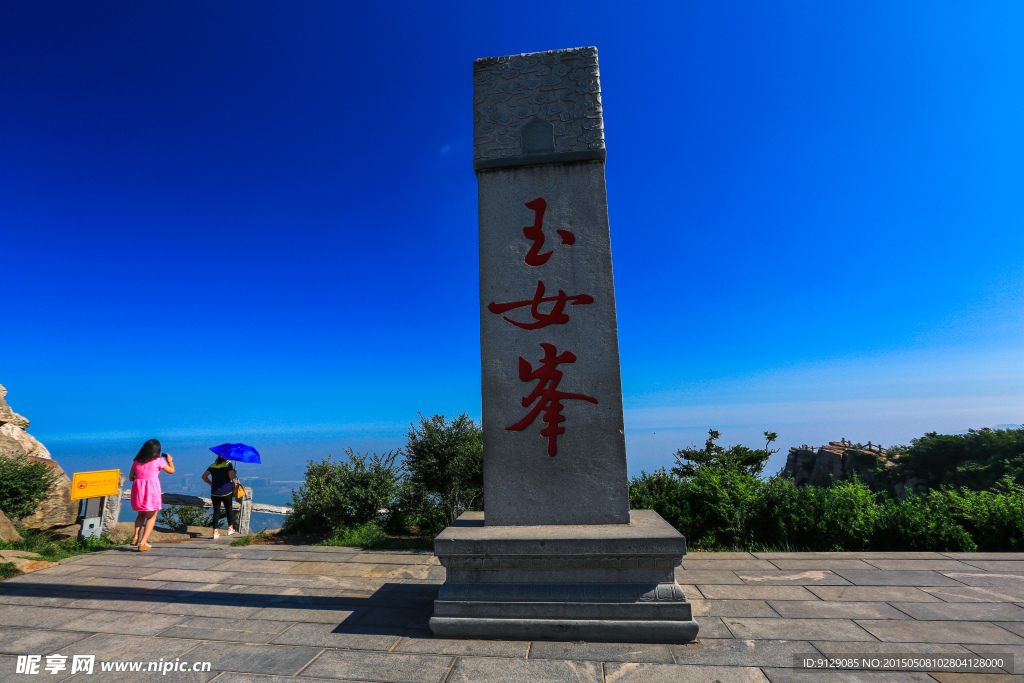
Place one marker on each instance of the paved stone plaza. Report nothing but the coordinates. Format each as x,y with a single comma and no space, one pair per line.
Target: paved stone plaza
269,613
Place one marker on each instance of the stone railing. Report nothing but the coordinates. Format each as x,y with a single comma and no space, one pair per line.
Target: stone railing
247,506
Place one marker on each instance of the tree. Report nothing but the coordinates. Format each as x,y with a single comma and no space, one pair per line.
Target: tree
737,458
975,460
444,459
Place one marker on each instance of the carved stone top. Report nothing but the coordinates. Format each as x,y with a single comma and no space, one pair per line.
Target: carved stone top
537,108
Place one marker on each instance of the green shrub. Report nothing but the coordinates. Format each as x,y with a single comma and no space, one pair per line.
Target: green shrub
367,535
24,484
921,523
976,460
8,570
444,461
345,493
180,517
54,549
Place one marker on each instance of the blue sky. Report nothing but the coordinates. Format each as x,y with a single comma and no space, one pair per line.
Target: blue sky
257,221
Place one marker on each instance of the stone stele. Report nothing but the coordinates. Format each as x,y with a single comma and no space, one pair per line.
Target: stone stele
559,554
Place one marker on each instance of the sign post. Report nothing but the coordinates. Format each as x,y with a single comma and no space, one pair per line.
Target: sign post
94,488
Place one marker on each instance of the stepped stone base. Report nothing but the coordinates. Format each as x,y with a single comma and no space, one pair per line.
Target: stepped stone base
613,582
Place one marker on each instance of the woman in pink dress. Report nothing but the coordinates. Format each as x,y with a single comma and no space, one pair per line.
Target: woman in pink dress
147,498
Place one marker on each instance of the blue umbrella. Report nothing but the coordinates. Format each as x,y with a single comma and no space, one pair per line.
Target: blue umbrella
237,451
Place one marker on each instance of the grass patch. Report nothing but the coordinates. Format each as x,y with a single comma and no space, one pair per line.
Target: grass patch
54,549
8,570
248,539
372,537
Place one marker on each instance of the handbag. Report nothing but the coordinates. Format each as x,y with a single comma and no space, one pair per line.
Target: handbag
237,490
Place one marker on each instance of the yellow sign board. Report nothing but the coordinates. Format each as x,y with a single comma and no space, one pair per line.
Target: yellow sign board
95,484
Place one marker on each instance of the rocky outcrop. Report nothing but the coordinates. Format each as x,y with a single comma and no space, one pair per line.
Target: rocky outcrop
836,461
8,534
57,509
25,561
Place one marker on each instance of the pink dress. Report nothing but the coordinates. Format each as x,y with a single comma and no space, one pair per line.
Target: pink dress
146,493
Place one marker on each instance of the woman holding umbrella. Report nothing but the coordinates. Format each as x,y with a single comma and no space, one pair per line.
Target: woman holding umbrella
219,476
222,478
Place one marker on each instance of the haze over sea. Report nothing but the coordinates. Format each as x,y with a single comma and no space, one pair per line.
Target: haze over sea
257,221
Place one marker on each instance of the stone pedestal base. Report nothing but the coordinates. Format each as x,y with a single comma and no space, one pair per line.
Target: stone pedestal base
612,582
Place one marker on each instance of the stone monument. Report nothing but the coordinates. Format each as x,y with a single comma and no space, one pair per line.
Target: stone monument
559,554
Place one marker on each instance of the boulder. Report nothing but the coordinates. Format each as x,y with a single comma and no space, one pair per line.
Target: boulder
58,509
15,441
8,534
7,415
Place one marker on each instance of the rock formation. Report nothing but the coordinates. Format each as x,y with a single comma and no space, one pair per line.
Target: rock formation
836,461
14,440
58,509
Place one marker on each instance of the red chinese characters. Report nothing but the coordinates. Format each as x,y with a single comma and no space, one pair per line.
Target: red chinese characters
535,233
556,316
546,395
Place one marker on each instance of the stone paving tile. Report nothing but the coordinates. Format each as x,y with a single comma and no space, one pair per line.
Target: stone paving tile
813,676
105,571
324,615
252,566
874,593
1016,651
963,632
34,641
105,584
392,571
475,648
691,591
348,583
712,627
732,608
966,611
193,576
136,677
829,609
349,638
617,672
172,562
798,629
232,630
124,623
1014,626
226,591
830,564
116,558
39,617
293,594
260,678
745,592
39,597
494,670
881,650
978,594
377,666
700,555
270,579
742,652
856,555
750,564
707,577
257,659
119,648
602,652
332,568
393,558
1014,566
778,577
949,677
880,577
395,617
925,565
988,579
986,556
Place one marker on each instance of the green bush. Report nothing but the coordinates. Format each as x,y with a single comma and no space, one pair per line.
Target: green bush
367,535
976,460
444,462
54,549
720,508
345,493
24,485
